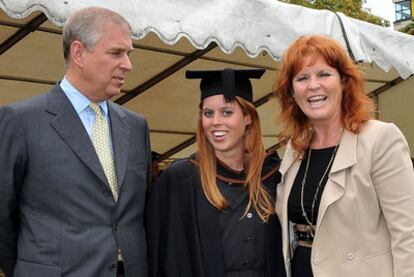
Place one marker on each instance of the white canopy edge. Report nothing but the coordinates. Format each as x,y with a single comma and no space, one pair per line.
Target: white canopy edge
253,25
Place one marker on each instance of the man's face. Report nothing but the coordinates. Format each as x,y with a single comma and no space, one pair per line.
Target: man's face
106,64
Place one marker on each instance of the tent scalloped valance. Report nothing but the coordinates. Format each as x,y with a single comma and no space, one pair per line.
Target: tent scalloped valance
254,26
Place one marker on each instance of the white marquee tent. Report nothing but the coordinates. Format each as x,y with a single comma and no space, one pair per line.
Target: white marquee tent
171,36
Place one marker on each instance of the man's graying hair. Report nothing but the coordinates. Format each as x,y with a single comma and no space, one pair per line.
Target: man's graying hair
86,25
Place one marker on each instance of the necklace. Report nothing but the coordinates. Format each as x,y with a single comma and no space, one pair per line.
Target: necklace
315,196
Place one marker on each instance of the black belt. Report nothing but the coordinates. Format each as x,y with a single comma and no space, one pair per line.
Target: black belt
306,236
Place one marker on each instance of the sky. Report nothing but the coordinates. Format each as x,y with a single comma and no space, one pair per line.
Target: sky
383,8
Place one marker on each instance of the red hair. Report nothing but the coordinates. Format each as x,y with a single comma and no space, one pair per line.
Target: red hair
356,106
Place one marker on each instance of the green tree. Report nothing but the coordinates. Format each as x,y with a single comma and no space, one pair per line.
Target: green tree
408,29
351,8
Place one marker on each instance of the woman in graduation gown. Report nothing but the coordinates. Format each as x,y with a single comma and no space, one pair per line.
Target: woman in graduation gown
212,214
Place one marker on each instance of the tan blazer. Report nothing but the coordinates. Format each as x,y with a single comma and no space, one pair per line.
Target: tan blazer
365,224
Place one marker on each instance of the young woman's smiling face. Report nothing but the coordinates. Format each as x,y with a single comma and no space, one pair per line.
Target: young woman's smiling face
224,125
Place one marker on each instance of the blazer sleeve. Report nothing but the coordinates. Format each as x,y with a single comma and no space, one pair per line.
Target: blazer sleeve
12,172
393,178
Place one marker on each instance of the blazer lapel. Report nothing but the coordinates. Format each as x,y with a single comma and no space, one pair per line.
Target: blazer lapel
120,140
288,168
288,160
335,186
70,128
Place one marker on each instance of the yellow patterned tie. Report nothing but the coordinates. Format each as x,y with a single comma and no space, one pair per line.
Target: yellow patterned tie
100,140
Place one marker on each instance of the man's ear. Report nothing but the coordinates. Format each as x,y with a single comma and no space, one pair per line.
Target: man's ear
77,51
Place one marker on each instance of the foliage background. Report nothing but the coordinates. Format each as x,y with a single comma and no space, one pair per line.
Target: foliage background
351,8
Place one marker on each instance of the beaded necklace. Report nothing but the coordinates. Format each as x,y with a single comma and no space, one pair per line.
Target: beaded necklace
315,196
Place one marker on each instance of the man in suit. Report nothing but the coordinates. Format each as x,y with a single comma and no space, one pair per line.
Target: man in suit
74,167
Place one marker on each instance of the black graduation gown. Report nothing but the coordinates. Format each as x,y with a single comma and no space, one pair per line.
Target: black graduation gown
183,227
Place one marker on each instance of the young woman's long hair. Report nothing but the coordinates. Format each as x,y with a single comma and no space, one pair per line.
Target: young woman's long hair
356,106
254,155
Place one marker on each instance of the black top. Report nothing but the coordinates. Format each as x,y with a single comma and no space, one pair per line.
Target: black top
317,165
187,236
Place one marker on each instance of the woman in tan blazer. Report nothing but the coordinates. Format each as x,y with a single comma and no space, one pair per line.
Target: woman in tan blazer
346,199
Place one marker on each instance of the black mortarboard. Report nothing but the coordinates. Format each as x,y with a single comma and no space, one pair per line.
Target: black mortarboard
229,82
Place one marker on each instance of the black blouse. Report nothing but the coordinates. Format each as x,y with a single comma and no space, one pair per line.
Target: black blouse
317,165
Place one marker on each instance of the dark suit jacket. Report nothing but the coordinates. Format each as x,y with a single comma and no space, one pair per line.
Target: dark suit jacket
57,214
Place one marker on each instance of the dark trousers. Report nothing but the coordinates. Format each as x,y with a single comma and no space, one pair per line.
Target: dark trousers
301,266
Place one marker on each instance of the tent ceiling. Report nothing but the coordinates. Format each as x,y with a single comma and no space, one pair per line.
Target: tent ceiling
157,89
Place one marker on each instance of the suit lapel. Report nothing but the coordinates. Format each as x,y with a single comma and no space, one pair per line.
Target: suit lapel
335,186
70,128
120,140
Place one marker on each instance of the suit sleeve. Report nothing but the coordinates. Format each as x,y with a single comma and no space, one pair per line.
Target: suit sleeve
12,172
393,178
